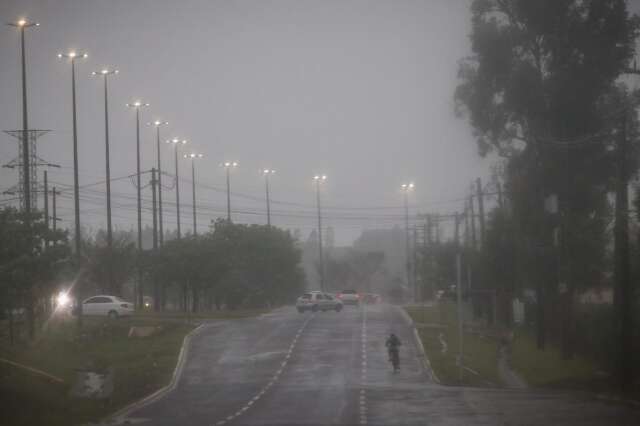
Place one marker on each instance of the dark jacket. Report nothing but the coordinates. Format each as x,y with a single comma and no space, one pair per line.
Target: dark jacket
393,342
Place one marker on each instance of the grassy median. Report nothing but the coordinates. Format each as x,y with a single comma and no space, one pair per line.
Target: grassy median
439,323
140,366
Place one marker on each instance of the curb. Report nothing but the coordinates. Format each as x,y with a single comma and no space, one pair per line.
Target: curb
118,416
418,342
33,370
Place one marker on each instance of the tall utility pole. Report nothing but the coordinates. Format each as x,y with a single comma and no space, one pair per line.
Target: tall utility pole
137,105
154,208
406,188
177,142
72,56
193,158
429,239
23,24
425,258
156,288
469,258
46,207
459,297
266,173
158,124
416,292
623,292
472,219
319,179
105,73
228,165
55,219
480,209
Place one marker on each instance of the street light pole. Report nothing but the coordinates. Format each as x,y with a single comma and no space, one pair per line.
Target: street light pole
266,173
23,24
76,188
176,142
137,105
158,124
105,73
228,166
406,188
459,298
193,157
319,179
72,56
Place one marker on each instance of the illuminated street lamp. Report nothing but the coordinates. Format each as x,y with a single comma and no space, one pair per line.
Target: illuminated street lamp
267,173
228,165
319,179
158,124
23,24
176,143
194,157
406,189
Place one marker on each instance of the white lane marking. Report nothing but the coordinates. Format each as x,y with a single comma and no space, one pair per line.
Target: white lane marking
273,379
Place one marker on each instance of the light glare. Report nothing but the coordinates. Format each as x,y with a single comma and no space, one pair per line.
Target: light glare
63,299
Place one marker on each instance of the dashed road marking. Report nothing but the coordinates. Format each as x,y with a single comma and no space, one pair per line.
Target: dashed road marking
274,379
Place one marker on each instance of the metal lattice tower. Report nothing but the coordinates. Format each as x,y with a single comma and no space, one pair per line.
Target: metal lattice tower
34,162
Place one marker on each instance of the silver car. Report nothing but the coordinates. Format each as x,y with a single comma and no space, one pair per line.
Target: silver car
315,301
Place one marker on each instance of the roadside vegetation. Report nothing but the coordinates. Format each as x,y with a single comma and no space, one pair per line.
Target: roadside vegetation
551,242
548,368
139,366
48,366
438,330
231,272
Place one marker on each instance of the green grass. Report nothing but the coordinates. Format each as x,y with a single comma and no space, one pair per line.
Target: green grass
141,365
547,368
222,314
480,354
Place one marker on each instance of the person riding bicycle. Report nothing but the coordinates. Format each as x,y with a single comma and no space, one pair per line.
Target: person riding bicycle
393,344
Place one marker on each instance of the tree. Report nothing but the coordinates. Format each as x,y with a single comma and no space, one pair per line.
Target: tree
538,75
233,265
27,266
110,271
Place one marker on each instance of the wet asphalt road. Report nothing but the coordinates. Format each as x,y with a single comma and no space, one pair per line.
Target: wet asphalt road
331,368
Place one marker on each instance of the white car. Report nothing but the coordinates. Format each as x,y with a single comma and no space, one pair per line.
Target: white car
349,297
111,306
315,301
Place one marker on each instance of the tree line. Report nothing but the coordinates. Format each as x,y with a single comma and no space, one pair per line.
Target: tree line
543,90
229,267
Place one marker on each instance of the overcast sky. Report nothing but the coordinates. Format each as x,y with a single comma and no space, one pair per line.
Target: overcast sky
361,91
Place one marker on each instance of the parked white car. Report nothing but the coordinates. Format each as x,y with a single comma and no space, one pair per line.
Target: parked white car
111,306
315,301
